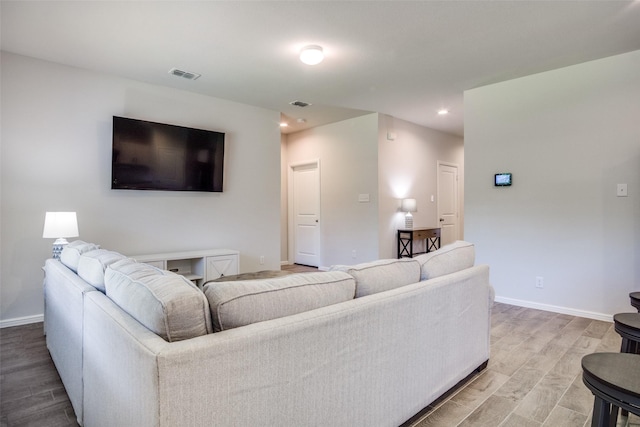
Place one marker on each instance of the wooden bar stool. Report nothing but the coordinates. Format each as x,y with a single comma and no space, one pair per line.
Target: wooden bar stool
628,326
614,380
635,300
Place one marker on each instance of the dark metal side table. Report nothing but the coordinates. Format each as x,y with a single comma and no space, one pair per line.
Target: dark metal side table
634,297
614,380
407,237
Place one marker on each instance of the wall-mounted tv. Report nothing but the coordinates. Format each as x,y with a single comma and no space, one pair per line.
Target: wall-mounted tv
156,156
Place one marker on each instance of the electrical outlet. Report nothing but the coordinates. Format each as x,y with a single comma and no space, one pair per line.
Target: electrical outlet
539,282
261,259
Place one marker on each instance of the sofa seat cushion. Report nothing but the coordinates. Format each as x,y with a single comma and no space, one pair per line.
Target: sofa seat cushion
92,266
166,303
446,260
382,275
70,255
239,303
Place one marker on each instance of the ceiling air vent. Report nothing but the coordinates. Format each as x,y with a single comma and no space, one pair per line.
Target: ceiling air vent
184,74
300,104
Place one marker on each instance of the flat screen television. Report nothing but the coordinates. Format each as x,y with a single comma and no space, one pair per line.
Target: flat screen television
157,156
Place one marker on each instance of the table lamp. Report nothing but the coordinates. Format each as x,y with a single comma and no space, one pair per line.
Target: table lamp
58,225
408,206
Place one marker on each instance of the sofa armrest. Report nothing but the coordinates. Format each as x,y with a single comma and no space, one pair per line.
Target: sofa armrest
120,367
64,294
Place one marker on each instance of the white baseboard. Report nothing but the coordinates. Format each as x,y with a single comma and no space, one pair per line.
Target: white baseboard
556,309
19,321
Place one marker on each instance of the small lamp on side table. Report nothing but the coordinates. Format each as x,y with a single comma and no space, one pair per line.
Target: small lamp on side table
408,206
58,225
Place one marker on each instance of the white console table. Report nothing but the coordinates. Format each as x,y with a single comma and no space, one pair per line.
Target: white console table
197,266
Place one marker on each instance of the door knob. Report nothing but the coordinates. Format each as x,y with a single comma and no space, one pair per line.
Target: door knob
441,219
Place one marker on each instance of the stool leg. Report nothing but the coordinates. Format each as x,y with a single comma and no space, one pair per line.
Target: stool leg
613,416
624,347
601,413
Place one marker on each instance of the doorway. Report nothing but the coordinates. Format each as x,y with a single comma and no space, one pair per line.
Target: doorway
304,213
448,206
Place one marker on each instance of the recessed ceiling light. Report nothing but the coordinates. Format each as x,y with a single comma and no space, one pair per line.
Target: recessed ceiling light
284,125
311,55
443,112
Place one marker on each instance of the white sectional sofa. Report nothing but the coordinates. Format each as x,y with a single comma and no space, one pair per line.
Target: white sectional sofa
364,345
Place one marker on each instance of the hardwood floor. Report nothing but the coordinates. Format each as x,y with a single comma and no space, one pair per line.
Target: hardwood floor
297,268
31,392
533,378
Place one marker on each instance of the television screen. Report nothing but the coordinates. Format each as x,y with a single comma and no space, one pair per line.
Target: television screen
502,179
156,156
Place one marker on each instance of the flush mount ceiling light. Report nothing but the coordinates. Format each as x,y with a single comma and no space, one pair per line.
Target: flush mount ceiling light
443,112
311,55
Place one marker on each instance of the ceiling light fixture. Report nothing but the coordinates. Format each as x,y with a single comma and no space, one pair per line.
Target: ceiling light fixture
311,55
300,104
184,74
443,112
283,125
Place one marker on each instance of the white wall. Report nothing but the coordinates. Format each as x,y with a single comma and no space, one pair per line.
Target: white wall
56,154
356,158
568,136
348,154
408,168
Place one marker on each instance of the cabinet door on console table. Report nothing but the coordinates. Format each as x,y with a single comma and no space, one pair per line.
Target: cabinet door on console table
222,265
197,266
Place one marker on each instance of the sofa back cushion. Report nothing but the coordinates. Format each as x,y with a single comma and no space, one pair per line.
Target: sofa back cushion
446,260
70,255
166,303
92,265
239,303
382,275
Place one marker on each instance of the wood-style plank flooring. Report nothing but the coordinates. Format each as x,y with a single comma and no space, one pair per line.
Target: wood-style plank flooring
533,378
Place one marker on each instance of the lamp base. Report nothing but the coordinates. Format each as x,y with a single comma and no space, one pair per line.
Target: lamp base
408,221
58,246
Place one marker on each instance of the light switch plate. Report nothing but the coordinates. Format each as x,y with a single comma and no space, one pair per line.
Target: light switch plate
363,198
622,190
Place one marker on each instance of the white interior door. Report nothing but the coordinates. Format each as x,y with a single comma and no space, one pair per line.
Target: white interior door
448,214
305,213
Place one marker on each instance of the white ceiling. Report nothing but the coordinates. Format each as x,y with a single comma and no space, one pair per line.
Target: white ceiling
404,59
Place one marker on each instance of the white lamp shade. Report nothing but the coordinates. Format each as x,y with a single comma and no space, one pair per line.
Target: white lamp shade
60,224
311,55
409,205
